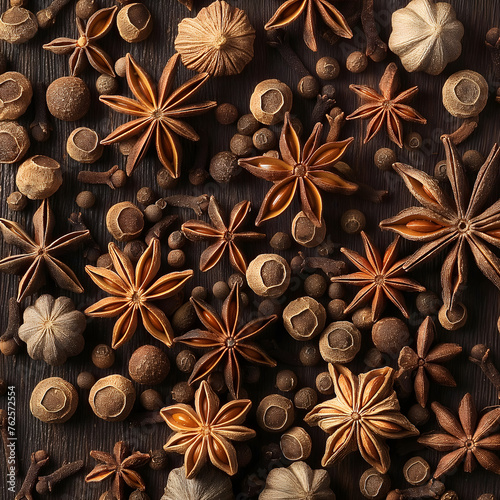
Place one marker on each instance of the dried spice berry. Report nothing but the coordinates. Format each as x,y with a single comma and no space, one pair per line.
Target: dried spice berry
124,221
39,177
134,22
68,98
268,275
148,365
296,444
275,413
17,25
340,342
53,400
15,142
112,398
304,318
270,101
84,145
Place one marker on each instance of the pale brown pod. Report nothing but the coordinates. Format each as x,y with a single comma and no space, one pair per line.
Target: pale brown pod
53,400
14,140
304,318
84,145
275,413
15,95
270,101
124,221
305,233
296,444
39,177
340,342
18,25
268,275
134,22
112,398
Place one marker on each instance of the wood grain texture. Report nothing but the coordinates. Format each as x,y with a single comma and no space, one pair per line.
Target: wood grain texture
84,431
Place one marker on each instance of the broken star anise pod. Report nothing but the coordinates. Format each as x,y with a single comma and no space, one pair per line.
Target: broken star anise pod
380,278
363,414
305,169
464,439
121,465
84,48
426,360
291,10
386,107
462,222
39,256
132,293
226,341
205,432
159,114
223,236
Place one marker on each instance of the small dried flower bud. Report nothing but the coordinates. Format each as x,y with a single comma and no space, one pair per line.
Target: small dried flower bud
374,485
336,291
353,221
112,398
268,275
134,22
373,358
148,365
220,290
241,145
124,221
247,125
356,62
428,303
328,68
68,98
308,87
14,140
281,241
305,233
305,398
106,85
286,380
165,180
416,471
363,318
16,201
315,286
85,8
134,249
275,413
159,459
53,400
465,94
413,141
340,342
85,199
39,177
304,318
184,318
309,355
270,101
151,400
418,416
384,158
226,113
390,335
324,383
296,444
153,213
199,293
335,309
185,361
85,380
103,356
18,25
473,160
224,167
453,319
182,392
16,93
84,145
264,139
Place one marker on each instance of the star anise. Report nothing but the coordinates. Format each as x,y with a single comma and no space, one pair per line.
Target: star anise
425,360
159,113
304,168
205,431
465,439
121,465
461,221
364,412
380,279
131,293
40,254
223,236
84,48
293,9
386,107
226,341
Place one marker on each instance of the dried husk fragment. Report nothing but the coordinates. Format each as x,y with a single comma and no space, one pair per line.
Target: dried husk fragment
14,141
15,95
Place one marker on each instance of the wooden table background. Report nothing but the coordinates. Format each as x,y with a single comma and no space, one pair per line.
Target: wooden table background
85,431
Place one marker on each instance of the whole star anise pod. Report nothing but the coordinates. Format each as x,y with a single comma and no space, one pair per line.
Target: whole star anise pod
40,253
121,465
380,279
387,107
223,236
425,360
291,10
159,114
205,431
462,221
132,293
85,48
364,412
465,439
305,169
226,341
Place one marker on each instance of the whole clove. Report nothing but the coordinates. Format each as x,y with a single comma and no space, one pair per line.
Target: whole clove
432,489
159,230
481,356
38,460
47,483
9,341
376,49
324,103
330,267
114,178
47,17
464,131
493,44
198,204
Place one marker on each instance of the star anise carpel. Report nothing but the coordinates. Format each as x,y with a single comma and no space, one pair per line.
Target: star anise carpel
159,113
386,107
425,360
85,48
464,439
461,222
304,169
223,236
291,10
364,413
205,432
40,253
132,293
380,278
121,465
227,342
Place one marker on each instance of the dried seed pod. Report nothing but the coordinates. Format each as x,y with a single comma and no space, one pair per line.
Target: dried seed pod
85,199
315,286
363,318
53,400
305,233
16,93
84,145
39,177
185,361
14,140
134,22
390,335
16,201
453,319
68,98
374,485
275,413
305,398
384,158
296,444
340,342
465,94
304,318
85,380
124,221
18,25
148,365
309,355
112,398
151,400
270,101
416,471
182,392
103,356
247,125
268,275
264,139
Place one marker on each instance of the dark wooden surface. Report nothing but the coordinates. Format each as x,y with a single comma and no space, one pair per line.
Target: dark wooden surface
84,431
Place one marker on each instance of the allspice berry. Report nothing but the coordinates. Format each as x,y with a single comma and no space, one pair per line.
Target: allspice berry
275,413
247,125
305,398
17,201
14,140
85,8
327,68
241,145
68,98
384,158
176,258
416,471
353,221
308,87
418,416
280,241
268,275
134,249
124,221
15,95
315,286
226,113
176,240
220,290
103,356
185,361
112,398
324,383
374,485
224,167
106,85
304,318
428,303
363,318
296,444
264,139
151,400
17,25
39,177
305,233
286,380
182,392
84,145
340,342
85,380
465,94
134,22
390,335
159,459
85,199
53,400
356,62
121,67
184,318
335,309
148,365
270,101
309,355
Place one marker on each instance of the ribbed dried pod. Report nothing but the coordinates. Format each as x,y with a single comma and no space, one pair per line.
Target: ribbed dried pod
15,95
218,41
18,25
14,140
